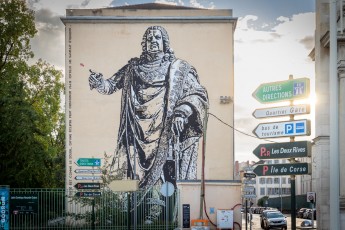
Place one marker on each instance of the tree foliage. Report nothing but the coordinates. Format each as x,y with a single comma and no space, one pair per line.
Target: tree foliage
32,124
261,202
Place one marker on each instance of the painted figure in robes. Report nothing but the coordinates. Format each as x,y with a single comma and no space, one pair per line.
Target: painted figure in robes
162,113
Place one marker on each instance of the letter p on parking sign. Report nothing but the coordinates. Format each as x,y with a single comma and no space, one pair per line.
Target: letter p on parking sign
289,128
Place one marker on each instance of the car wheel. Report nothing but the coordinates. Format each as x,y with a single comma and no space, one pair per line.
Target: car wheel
262,225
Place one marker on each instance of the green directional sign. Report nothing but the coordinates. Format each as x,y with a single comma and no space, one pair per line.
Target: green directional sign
89,162
282,90
283,169
283,150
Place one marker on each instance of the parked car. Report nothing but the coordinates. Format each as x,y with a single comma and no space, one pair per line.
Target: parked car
273,219
301,212
309,216
306,213
306,223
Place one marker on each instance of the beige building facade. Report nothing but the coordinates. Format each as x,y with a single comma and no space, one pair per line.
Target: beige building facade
322,149
147,115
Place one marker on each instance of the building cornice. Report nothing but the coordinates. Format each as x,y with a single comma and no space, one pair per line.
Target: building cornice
144,19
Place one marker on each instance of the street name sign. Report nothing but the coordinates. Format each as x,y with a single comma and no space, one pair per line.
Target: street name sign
249,196
282,90
249,175
283,150
88,194
283,169
88,178
248,189
88,171
249,182
87,186
283,129
248,168
282,111
89,162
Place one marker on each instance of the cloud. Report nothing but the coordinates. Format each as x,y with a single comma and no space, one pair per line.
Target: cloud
169,2
49,41
308,42
85,3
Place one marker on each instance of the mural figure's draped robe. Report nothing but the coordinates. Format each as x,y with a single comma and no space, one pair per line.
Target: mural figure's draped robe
153,93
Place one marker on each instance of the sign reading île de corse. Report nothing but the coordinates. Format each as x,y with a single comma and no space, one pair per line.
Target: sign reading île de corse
89,162
283,129
283,169
283,150
88,194
282,90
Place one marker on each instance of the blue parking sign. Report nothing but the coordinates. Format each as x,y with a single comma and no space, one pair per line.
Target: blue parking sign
289,128
300,127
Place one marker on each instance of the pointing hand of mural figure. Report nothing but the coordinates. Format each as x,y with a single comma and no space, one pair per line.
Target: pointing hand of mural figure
95,79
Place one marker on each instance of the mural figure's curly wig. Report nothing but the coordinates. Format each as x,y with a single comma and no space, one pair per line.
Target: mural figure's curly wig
168,52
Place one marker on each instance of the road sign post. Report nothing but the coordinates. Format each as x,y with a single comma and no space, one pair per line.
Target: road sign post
94,162
282,90
283,150
87,186
283,169
281,111
283,129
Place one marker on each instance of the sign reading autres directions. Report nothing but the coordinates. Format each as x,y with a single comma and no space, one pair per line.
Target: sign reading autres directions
282,90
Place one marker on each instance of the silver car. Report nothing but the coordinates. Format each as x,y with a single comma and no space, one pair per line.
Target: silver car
274,220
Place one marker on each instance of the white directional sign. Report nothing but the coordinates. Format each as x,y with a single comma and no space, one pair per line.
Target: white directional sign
281,111
249,182
88,178
283,129
248,196
248,189
88,171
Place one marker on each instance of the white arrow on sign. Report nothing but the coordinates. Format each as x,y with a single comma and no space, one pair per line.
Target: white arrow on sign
282,111
283,129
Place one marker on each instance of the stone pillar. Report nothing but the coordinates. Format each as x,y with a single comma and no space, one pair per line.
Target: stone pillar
341,75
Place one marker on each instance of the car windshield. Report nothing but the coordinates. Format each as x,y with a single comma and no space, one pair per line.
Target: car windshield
274,215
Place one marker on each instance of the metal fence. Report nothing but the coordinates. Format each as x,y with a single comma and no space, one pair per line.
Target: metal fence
67,209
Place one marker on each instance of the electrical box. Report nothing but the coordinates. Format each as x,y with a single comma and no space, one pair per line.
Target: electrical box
225,219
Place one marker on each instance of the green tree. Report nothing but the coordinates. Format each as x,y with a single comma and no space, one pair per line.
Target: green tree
32,124
261,202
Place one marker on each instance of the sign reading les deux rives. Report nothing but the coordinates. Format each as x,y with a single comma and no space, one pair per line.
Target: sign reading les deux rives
282,169
283,150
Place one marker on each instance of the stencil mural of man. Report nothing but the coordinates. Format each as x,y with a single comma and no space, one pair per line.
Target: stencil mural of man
162,113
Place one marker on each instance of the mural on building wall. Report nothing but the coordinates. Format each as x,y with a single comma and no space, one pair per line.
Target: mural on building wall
163,107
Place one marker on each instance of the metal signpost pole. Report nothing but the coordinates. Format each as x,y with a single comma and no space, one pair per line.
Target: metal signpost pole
293,180
246,215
